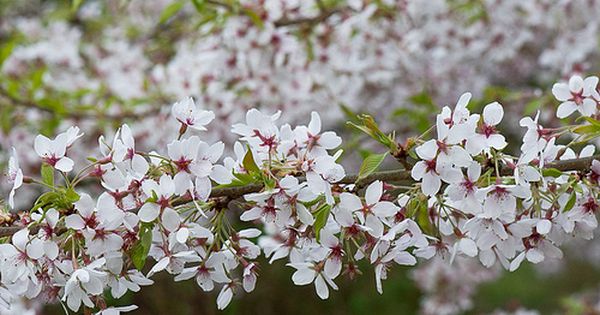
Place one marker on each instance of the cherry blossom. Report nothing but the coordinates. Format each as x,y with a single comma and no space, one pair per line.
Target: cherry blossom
578,95
54,151
488,136
372,211
15,176
307,273
186,112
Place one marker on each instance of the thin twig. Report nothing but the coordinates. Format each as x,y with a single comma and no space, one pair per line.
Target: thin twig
324,15
73,114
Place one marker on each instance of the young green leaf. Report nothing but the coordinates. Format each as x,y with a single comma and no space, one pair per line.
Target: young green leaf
75,4
139,252
321,216
551,172
48,174
254,17
199,5
371,164
249,163
571,202
71,195
170,11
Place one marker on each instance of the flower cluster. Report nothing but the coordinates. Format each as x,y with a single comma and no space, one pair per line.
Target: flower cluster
176,208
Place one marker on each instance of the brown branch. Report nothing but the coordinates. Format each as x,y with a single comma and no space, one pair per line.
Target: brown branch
9,230
220,4
75,115
581,164
324,15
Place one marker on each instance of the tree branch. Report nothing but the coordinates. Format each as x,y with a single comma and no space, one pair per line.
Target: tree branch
324,15
580,164
75,115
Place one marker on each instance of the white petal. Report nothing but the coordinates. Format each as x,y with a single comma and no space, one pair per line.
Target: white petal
374,192
221,175
576,84
20,239
589,85
375,225
149,212
588,108
385,209
330,140
182,235
543,226
74,221
321,287
431,184
303,276
515,263
493,113
64,164
304,215
350,201
159,266
535,255
314,126
427,150
566,109
468,247
35,249
42,145
252,214
170,219
333,267
419,170
487,258
561,91
224,297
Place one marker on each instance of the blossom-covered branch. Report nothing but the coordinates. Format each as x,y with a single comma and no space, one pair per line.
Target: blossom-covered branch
577,164
464,195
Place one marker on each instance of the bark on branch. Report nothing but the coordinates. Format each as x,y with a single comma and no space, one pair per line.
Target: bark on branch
580,164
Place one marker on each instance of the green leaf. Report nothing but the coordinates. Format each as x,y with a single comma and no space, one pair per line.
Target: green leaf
170,11
551,172
592,121
76,4
592,128
571,202
199,5
48,174
71,195
140,250
321,216
240,179
249,164
368,125
46,200
254,17
6,51
370,165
